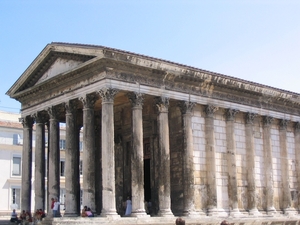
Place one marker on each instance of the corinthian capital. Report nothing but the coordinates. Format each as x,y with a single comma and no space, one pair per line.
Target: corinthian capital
88,101
107,94
27,122
267,120
283,124
186,106
136,99
230,114
249,117
162,104
210,110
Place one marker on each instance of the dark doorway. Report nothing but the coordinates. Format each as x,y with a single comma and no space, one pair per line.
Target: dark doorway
147,180
147,170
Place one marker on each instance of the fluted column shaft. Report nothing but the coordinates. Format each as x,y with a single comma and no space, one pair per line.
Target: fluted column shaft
54,155
231,162
40,171
71,161
137,156
287,199
108,153
188,159
267,120
26,163
297,154
250,153
164,183
211,160
88,161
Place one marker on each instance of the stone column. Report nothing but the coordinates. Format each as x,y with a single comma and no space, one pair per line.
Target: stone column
186,109
231,163
26,163
250,154
297,155
88,162
98,179
164,182
71,160
54,154
108,153
286,192
212,206
137,156
267,121
39,161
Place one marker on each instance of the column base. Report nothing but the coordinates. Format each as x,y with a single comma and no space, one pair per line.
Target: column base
110,214
139,214
165,213
271,211
194,213
290,211
212,212
68,214
235,213
254,212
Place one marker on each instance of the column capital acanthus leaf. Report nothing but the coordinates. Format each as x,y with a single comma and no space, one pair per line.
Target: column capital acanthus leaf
39,117
88,101
53,112
71,106
250,117
297,127
136,98
210,110
230,114
283,124
186,106
27,122
162,103
267,120
108,94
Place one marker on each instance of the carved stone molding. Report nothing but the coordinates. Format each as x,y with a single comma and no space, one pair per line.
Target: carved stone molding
249,117
186,106
108,94
230,114
162,104
136,99
210,110
283,124
267,120
88,101
27,122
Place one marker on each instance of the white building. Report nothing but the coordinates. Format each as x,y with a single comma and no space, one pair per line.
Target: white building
11,141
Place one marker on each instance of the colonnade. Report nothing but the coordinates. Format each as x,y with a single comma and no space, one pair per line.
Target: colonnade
164,184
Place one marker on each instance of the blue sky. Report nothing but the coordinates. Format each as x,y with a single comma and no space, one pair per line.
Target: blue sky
249,39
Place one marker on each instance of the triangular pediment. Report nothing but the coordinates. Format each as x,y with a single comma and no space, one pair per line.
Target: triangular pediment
59,66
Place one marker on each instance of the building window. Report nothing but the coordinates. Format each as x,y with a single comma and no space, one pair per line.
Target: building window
62,144
17,139
16,170
62,168
15,198
80,167
62,197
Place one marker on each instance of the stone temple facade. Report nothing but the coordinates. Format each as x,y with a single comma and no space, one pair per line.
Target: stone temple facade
193,142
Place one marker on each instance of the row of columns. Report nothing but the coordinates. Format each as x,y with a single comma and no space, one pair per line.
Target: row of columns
107,155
